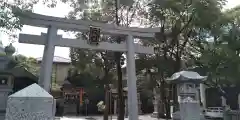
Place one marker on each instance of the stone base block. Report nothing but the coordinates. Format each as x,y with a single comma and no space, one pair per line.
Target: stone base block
31,103
154,114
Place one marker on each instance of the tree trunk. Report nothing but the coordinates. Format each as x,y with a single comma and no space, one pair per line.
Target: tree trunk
161,100
121,104
174,97
166,100
177,68
106,110
120,88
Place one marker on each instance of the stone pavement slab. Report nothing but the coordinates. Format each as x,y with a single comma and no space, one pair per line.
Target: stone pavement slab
142,117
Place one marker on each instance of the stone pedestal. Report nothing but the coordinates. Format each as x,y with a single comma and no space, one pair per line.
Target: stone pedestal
4,91
3,101
6,84
30,103
190,110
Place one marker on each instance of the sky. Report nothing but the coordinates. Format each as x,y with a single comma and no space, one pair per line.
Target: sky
61,10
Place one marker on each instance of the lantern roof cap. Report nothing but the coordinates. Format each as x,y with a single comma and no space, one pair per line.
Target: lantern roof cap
186,77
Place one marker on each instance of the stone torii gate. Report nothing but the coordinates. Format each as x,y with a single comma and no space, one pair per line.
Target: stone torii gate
51,39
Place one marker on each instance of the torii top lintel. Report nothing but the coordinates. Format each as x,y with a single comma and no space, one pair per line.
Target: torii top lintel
33,19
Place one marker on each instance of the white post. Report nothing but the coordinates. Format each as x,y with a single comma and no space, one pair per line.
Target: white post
115,106
126,107
203,95
131,81
47,60
224,102
238,101
155,101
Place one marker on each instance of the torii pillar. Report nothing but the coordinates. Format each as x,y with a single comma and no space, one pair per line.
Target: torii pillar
132,84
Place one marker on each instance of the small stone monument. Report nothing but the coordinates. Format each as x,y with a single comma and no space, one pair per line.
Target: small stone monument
187,91
30,103
155,103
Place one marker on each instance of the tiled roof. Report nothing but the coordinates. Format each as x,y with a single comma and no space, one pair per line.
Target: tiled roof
57,59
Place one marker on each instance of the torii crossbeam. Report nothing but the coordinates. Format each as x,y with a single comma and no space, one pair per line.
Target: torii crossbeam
51,39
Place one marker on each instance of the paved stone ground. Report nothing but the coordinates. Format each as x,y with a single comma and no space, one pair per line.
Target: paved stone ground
142,117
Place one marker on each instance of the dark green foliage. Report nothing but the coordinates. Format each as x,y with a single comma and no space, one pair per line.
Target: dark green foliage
28,63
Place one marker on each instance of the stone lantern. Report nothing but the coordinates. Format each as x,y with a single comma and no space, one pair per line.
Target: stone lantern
6,78
6,88
187,91
6,85
9,50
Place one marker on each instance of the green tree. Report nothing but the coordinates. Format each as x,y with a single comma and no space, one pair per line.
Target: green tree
105,12
28,63
185,25
182,24
220,58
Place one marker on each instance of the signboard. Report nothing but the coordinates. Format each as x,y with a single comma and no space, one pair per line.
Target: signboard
94,36
126,2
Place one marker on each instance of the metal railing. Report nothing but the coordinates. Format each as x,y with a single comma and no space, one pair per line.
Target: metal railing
214,112
231,115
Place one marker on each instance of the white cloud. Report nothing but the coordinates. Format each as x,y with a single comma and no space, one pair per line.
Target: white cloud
232,3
